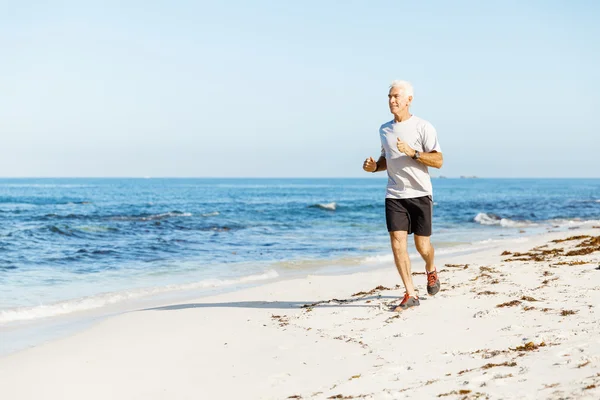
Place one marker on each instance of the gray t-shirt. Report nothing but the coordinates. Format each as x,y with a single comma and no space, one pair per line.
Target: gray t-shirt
408,178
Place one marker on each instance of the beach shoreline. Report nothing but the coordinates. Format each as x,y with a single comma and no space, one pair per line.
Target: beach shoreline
33,326
324,336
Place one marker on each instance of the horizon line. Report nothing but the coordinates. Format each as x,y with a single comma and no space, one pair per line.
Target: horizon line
461,177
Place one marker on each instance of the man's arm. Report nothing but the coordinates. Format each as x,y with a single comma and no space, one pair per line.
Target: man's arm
381,164
433,159
370,165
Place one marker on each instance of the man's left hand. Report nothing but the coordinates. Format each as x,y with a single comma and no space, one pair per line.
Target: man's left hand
405,148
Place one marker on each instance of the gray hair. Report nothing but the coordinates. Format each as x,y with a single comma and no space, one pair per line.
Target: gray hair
405,88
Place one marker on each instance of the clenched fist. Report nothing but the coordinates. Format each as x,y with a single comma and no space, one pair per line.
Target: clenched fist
370,165
405,148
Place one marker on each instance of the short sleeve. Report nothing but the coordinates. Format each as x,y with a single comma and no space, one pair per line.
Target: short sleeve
382,151
430,139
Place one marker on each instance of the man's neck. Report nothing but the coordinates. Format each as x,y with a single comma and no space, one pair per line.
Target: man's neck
402,116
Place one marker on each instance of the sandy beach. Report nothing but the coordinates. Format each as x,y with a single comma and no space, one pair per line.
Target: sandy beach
518,320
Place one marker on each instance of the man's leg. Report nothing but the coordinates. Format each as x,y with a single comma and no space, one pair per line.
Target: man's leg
425,249
400,250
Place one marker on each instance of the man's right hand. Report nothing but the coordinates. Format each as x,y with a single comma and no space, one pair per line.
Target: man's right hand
370,165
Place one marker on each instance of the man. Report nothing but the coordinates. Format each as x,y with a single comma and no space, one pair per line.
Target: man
409,145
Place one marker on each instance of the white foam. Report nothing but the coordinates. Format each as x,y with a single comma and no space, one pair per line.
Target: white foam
380,259
573,222
105,299
493,219
327,206
211,214
153,217
389,258
503,240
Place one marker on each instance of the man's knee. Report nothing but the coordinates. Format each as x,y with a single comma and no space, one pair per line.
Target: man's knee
398,240
423,246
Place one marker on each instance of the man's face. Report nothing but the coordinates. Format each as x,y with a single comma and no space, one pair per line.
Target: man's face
397,101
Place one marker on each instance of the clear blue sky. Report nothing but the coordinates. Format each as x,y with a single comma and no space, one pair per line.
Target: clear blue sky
295,88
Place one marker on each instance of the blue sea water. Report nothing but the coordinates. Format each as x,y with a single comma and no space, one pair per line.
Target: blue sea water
74,244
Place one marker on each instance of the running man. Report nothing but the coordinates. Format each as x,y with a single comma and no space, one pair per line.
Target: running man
409,145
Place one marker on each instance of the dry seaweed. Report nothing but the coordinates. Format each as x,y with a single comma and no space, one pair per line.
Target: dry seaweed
338,301
486,293
584,364
537,254
463,266
528,298
509,304
571,238
488,269
390,319
579,262
486,354
373,291
530,346
592,244
504,364
482,275
462,392
564,313
592,241
504,376
547,281
282,319
583,251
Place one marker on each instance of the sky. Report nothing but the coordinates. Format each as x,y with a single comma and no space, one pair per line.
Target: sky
278,88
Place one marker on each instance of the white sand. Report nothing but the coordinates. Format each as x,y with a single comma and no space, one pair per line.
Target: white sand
234,346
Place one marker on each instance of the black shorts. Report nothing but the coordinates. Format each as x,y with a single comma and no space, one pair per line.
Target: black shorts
411,215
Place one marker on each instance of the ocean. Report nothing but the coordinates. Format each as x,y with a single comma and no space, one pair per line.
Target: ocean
69,245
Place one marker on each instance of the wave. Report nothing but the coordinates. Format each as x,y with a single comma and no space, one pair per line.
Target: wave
564,222
452,248
39,201
211,214
493,219
152,217
105,299
585,201
61,231
78,230
317,263
68,216
325,206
